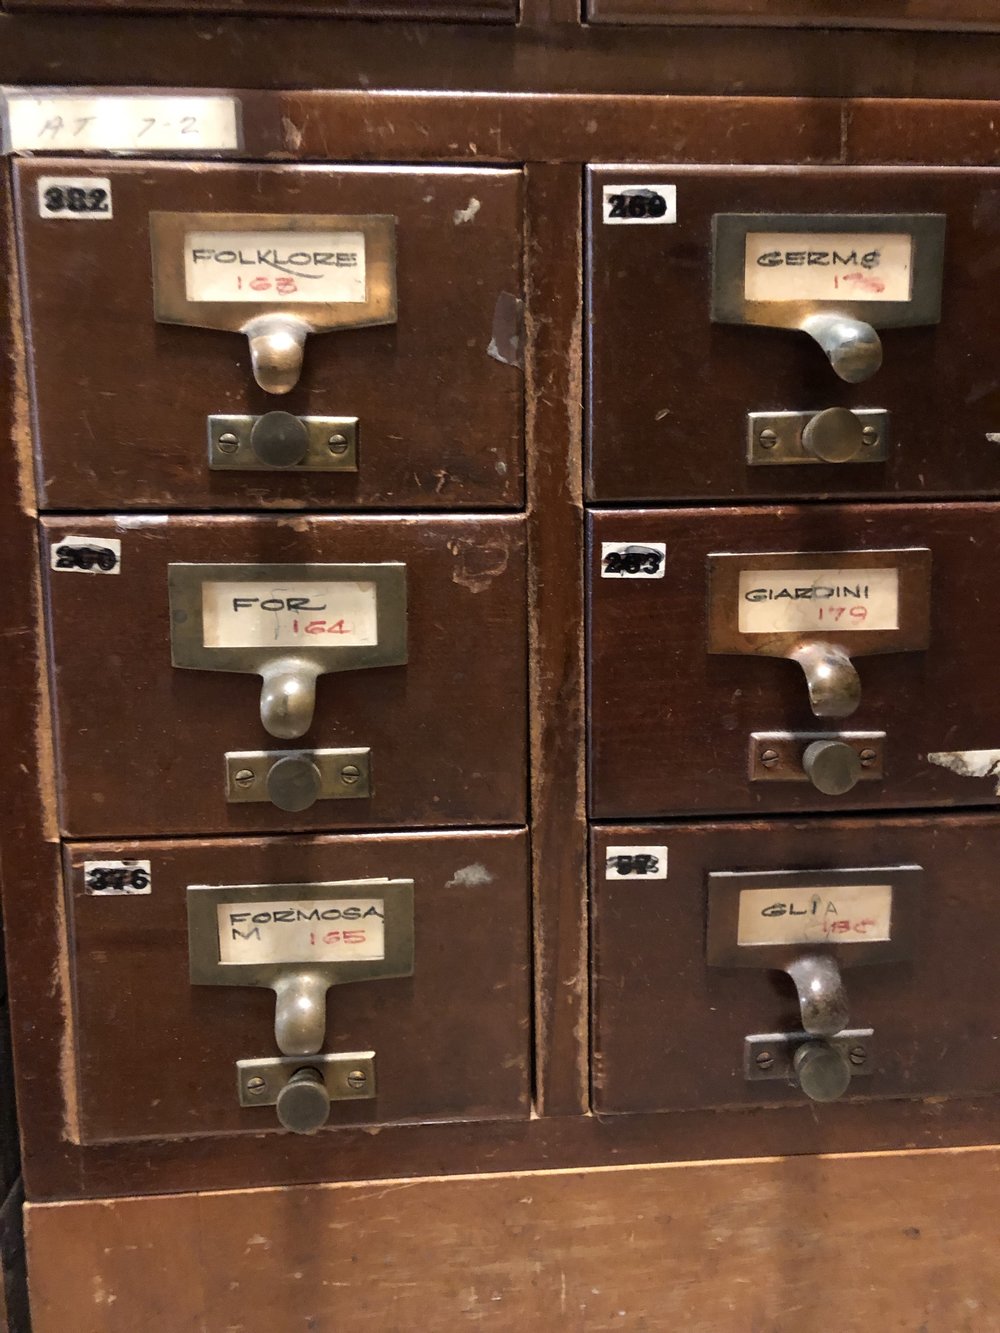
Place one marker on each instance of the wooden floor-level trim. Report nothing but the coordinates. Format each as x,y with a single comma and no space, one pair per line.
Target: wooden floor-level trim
896,1241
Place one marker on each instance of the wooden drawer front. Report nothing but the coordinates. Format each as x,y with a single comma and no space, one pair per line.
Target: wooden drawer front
670,390
142,745
121,402
451,1041
669,1029
671,723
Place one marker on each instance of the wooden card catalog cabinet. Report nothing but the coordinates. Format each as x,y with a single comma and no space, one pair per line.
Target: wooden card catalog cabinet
753,334
292,329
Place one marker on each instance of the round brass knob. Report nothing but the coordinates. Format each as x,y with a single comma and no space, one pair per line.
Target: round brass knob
834,436
832,767
279,439
303,1104
822,1072
294,783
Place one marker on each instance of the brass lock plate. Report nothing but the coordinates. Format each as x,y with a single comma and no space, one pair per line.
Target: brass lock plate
342,931
775,438
766,603
241,617
331,445
776,756
774,269
221,270
348,1077
768,918
770,1055
344,775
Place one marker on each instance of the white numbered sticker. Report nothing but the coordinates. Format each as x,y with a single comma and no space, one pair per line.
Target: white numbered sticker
283,615
332,931
87,555
118,123
777,601
635,863
842,914
799,266
639,204
105,878
633,560
261,266
74,198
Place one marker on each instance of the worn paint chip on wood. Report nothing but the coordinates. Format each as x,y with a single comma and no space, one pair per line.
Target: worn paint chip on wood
969,763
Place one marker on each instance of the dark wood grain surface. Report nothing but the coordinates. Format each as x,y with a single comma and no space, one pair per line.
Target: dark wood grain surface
557,704
142,744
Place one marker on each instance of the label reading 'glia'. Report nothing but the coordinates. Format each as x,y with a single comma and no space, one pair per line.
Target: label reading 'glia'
803,266
335,930
286,615
779,601
845,914
275,266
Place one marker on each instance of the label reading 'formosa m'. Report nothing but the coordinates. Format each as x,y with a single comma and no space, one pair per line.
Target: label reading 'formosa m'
804,266
275,266
310,931
776,601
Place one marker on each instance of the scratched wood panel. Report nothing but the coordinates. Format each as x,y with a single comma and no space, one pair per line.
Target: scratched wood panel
894,1243
555,531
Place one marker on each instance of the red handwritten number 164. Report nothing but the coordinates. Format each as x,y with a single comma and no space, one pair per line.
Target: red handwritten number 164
320,627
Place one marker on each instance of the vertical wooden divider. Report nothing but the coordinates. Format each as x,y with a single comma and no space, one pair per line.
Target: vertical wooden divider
554,407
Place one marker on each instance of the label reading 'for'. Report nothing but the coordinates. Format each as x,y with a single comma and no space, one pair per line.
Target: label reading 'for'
845,914
333,931
799,266
284,615
779,601
275,266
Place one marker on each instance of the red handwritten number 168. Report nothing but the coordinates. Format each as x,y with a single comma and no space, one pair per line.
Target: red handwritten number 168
283,286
